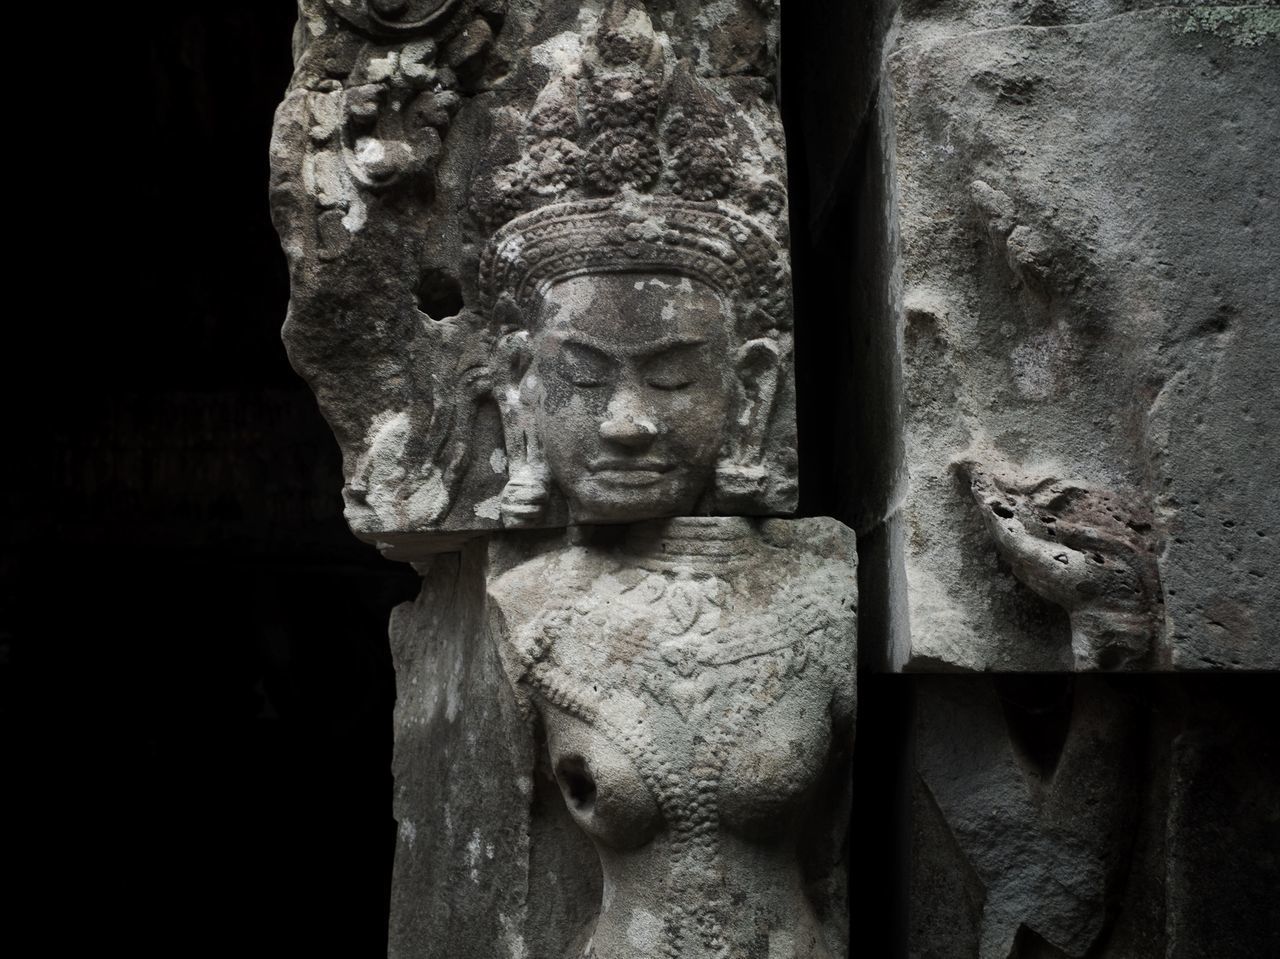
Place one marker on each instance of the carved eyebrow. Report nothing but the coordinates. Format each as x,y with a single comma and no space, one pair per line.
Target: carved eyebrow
674,342
644,350
585,345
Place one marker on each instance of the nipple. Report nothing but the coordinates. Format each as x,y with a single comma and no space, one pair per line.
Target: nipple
576,782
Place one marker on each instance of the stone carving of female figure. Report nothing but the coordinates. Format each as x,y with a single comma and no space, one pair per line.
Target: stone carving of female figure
638,290
621,365
693,677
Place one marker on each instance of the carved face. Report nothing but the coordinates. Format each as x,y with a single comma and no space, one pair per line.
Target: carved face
632,383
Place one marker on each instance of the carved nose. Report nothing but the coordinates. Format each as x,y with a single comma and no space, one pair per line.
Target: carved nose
627,427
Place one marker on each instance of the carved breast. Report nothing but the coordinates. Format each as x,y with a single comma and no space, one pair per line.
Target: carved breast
602,785
692,686
763,771
768,779
668,695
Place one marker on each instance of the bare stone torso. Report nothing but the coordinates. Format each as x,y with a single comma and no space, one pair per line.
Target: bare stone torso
692,704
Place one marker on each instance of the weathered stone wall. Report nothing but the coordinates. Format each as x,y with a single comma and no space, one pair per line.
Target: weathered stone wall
1035,317
1050,229
1093,817
1086,217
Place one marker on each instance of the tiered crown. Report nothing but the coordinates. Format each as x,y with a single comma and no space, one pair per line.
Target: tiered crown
625,162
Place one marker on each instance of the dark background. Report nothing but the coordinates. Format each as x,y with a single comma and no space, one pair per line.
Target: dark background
195,684
194,671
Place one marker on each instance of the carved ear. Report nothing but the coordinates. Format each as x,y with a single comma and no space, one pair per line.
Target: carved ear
510,363
758,364
524,499
512,356
741,476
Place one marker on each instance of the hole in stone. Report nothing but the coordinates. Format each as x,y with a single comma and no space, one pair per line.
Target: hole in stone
1002,511
1111,657
495,19
575,779
439,294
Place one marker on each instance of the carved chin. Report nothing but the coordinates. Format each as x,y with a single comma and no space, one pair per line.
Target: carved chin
623,496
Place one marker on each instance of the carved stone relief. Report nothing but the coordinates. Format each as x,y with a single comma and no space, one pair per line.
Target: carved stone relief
541,288
693,681
1087,551
540,279
1083,301
1092,816
591,320
1025,802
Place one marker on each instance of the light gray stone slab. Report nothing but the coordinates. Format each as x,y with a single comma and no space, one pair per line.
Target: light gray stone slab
1091,314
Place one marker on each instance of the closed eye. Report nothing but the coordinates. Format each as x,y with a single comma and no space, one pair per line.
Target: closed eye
677,367
583,366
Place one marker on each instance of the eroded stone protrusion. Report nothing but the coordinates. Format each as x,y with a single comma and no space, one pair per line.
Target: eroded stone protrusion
1090,551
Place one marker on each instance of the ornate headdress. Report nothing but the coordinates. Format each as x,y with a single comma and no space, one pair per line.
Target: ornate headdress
710,242
627,162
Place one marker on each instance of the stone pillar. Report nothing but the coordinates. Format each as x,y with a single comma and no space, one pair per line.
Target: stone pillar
541,289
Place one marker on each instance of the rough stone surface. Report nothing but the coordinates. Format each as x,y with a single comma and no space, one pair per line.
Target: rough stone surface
461,187
487,863
1088,228
1083,817
694,684
463,783
1036,803
1222,834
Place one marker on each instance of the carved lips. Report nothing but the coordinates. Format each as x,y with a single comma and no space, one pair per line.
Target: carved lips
620,472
